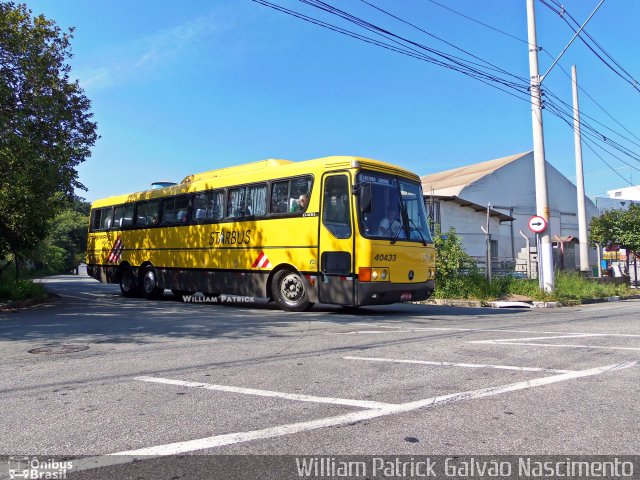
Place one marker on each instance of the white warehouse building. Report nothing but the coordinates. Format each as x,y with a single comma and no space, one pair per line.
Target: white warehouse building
459,198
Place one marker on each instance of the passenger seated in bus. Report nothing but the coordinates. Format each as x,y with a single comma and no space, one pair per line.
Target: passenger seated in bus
299,205
389,225
181,217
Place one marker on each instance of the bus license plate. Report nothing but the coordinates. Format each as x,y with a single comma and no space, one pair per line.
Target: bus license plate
405,296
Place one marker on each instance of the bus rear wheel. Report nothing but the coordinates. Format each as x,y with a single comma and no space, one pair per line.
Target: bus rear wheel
128,286
289,291
150,289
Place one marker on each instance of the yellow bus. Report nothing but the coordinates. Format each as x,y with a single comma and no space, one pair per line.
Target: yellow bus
340,230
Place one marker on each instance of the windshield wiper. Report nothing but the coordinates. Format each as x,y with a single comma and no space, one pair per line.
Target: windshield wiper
424,242
403,223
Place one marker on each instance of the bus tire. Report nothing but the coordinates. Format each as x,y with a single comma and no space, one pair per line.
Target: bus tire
290,292
128,286
150,289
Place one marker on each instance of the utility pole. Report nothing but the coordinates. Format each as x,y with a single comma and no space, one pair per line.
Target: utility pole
582,212
487,234
545,252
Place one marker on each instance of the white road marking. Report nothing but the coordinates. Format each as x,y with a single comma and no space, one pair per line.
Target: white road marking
518,339
602,347
396,329
526,341
267,393
176,448
464,365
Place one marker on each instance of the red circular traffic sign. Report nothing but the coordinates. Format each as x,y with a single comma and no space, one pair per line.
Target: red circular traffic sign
537,224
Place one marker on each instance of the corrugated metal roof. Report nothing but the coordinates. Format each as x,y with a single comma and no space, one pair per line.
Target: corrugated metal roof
502,217
452,182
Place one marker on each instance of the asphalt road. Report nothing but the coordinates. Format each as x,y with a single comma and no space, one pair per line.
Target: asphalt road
164,378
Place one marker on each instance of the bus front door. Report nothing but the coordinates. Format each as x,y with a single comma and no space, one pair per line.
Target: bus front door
335,243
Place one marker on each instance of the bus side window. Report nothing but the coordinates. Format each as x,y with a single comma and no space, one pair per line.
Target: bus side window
279,197
117,216
256,201
95,219
147,214
105,221
236,204
175,210
127,218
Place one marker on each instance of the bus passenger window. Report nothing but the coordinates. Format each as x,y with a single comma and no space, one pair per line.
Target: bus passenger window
147,214
105,222
174,210
256,201
291,196
95,219
236,203
279,196
208,206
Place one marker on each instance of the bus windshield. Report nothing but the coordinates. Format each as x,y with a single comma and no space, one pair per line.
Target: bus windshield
391,208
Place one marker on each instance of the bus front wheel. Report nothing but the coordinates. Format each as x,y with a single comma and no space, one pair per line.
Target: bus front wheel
128,286
290,292
150,288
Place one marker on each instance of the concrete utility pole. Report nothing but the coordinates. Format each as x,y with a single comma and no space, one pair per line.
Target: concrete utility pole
582,212
545,253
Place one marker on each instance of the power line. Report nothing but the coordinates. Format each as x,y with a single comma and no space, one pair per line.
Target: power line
610,166
479,22
632,81
564,10
567,74
441,39
460,62
472,69
412,50
566,112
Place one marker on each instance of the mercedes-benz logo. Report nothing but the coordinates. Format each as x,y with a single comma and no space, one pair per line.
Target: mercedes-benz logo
410,274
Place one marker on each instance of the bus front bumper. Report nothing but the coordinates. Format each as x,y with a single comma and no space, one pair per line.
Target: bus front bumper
380,293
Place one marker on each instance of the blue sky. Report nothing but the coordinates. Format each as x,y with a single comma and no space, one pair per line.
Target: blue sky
183,87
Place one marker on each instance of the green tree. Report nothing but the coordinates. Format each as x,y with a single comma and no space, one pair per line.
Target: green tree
617,227
69,233
45,127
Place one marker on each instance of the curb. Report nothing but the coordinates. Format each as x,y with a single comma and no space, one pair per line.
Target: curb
451,302
29,302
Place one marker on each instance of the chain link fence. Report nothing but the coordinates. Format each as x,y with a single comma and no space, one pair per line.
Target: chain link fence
523,265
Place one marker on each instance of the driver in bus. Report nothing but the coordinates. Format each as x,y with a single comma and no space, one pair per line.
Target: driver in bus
390,224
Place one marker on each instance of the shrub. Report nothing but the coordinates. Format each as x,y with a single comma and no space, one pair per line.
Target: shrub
570,288
10,290
457,275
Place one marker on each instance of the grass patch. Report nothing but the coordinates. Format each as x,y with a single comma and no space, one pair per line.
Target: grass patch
570,288
573,288
11,291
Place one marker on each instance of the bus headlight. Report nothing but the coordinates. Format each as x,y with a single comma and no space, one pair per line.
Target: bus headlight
369,274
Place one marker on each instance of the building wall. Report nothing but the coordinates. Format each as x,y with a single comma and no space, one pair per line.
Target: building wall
627,193
511,189
467,223
605,203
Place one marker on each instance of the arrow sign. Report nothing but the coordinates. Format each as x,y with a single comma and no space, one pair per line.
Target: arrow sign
537,224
